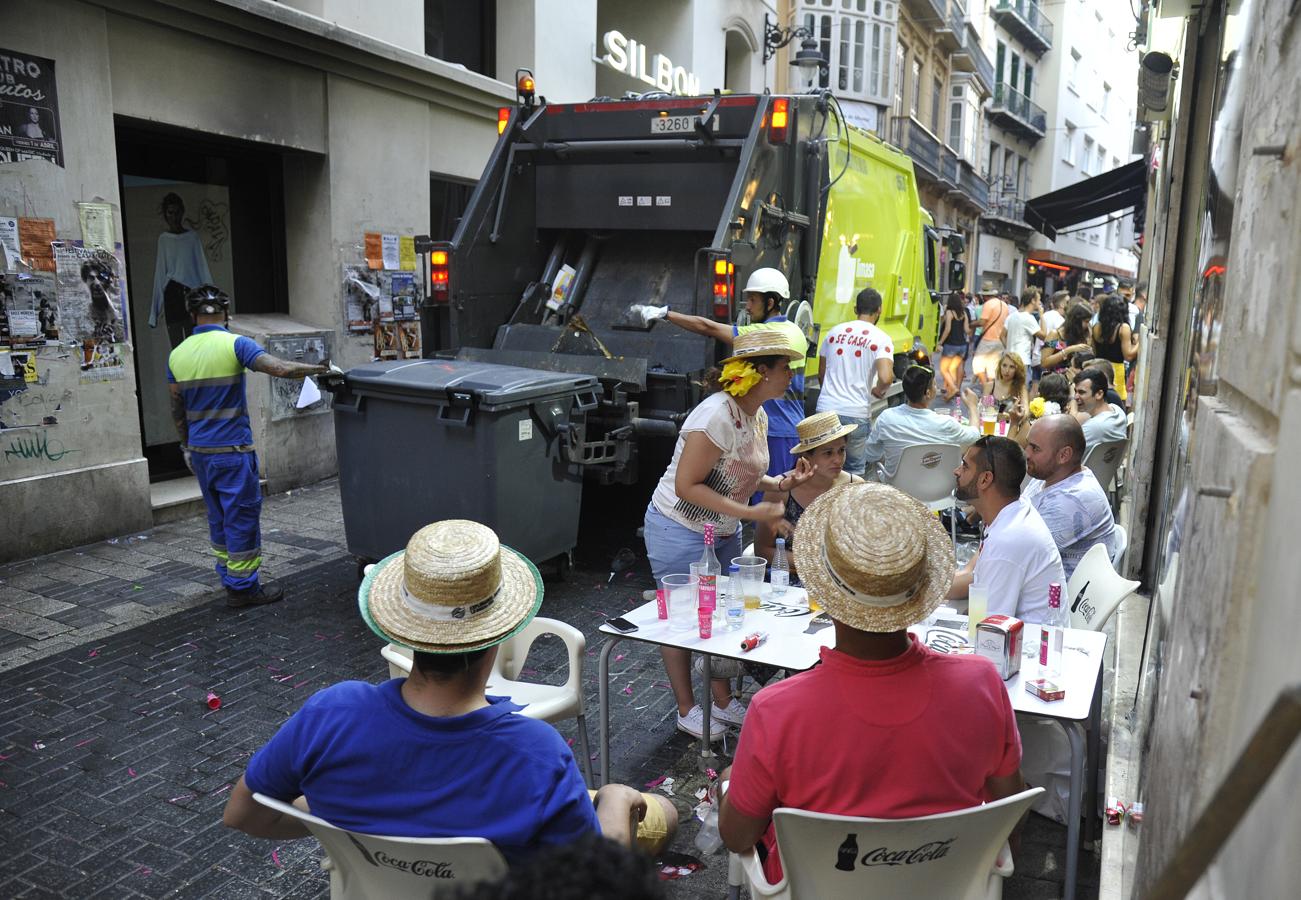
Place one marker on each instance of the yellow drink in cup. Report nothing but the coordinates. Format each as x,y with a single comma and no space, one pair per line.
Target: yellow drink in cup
977,609
987,426
750,571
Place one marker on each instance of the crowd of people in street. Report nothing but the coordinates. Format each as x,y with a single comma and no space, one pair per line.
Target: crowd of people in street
938,728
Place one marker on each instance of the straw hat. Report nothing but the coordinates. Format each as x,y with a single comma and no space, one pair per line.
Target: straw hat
454,589
818,429
875,558
763,342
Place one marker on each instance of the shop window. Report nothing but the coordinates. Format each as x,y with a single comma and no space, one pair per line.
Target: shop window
463,32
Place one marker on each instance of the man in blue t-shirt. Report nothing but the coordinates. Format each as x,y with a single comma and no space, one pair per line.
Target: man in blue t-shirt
431,755
205,374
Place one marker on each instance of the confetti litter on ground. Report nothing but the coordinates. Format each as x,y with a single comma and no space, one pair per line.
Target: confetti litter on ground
301,683
275,858
602,613
569,742
656,782
131,772
663,684
84,743
640,708
92,654
109,541
3,756
37,745
272,669
702,793
628,690
181,797
136,587
529,671
619,658
673,873
144,871
667,785
711,774
221,790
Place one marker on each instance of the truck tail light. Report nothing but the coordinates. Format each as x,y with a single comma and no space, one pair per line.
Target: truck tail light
779,121
503,118
439,273
724,287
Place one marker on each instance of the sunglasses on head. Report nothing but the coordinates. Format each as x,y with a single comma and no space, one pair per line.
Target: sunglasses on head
983,443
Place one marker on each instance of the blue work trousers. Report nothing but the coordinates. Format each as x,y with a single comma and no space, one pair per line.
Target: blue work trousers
229,482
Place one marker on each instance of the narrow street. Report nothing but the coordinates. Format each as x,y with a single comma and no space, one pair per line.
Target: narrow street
114,771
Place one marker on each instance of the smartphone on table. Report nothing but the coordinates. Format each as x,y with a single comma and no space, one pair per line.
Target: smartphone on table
621,625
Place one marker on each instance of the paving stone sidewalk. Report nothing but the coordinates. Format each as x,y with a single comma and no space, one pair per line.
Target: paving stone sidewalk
113,771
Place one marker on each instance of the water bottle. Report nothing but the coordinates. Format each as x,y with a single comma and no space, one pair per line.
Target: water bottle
735,600
1052,635
781,573
708,840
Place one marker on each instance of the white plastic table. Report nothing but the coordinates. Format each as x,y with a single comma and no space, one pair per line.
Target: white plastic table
795,640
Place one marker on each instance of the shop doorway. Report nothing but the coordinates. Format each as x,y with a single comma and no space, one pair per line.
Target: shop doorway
194,208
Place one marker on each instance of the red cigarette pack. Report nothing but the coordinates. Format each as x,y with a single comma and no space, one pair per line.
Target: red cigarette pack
1045,690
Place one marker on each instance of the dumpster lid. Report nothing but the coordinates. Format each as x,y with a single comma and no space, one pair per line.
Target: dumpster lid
490,383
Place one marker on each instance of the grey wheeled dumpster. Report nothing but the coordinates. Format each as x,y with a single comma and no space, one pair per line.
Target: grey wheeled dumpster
430,439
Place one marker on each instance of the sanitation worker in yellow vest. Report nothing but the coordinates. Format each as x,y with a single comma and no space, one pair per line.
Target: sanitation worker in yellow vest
205,374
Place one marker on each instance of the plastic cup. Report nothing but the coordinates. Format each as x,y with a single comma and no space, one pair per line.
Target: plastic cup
680,592
705,621
214,702
750,572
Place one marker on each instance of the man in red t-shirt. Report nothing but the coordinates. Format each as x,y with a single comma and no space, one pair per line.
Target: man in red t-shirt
884,727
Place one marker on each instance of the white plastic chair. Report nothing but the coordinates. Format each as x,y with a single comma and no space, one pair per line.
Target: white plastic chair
1105,459
548,702
959,855
1095,590
925,472
364,866
1120,537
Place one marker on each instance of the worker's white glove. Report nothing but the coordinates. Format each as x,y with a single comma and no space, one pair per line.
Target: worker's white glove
189,462
648,314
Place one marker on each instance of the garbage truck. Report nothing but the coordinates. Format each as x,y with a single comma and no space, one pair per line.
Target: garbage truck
585,209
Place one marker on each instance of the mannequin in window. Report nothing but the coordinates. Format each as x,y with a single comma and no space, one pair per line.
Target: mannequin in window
181,266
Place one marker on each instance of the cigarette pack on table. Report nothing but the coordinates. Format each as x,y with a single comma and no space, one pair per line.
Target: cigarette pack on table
998,639
1045,690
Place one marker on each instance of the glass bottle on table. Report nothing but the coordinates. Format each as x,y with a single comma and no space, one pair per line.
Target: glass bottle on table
1052,635
708,568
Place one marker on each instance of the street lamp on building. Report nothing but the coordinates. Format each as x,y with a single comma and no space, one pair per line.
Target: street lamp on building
808,60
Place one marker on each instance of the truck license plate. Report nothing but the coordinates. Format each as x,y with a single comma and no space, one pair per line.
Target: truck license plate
676,124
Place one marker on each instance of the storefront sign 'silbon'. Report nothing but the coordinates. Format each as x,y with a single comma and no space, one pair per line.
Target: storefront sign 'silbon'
29,109
624,54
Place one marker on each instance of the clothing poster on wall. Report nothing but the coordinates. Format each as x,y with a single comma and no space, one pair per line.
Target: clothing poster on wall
29,109
31,305
91,292
102,360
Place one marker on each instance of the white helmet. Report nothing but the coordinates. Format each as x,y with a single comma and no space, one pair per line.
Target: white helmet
765,281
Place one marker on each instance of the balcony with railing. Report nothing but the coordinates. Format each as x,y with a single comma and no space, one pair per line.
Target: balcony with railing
944,17
971,57
971,184
948,167
910,137
1013,110
1026,22
1005,215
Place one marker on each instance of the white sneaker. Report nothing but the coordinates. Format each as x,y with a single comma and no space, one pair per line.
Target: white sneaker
734,714
693,723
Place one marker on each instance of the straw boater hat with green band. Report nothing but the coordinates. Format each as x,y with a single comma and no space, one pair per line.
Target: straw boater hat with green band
454,589
763,342
818,429
875,558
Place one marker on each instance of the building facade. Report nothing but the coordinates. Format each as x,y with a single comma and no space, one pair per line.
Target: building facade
1087,83
1021,36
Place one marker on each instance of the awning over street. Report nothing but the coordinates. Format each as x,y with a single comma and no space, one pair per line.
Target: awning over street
1089,199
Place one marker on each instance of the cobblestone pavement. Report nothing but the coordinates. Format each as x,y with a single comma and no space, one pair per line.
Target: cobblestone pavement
113,771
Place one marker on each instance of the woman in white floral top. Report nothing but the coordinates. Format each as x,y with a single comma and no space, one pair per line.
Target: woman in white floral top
719,462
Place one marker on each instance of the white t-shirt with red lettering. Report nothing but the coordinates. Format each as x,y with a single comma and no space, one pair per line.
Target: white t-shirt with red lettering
849,353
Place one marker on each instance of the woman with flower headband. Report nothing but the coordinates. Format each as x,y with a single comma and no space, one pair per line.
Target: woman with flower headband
720,460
